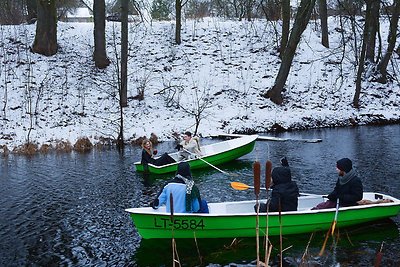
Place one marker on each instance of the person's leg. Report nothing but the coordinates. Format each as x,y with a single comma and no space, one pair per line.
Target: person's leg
325,205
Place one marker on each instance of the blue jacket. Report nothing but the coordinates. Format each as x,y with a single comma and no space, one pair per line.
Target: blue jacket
177,187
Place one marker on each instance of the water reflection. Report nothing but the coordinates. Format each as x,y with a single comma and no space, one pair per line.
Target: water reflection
68,209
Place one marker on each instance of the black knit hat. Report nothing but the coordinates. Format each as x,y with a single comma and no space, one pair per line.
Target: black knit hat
184,170
344,164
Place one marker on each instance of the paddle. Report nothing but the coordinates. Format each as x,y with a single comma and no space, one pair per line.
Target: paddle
242,187
331,228
215,167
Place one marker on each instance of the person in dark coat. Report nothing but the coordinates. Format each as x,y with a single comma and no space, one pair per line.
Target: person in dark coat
283,189
348,187
148,156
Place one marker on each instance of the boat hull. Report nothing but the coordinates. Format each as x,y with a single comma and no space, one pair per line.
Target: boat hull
244,224
214,159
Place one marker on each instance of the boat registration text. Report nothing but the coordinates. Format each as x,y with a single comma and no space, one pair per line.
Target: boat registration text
183,224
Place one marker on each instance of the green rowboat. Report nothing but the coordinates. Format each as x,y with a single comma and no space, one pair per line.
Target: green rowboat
238,219
214,154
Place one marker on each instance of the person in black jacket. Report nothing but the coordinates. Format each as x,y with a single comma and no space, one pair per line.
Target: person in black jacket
348,187
148,156
284,190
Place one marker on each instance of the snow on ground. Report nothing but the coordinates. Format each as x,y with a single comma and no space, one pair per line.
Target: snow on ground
222,67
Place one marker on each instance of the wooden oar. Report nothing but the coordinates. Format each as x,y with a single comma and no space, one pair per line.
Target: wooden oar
215,167
331,228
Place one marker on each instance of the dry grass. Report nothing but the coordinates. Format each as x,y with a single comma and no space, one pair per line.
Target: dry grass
45,148
63,146
26,149
153,139
83,145
4,150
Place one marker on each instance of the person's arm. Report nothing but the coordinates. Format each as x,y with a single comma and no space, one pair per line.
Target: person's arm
334,194
356,193
146,158
162,197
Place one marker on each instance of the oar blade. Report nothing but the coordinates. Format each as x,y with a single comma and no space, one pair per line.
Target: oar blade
239,186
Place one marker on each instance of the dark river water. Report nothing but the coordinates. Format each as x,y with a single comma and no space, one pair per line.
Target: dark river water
68,209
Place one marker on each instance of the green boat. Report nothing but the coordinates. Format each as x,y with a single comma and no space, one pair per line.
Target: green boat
214,154
238,219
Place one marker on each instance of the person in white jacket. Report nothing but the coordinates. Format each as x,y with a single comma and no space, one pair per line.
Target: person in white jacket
189,148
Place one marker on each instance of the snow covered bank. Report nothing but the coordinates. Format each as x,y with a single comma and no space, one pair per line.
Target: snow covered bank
221,68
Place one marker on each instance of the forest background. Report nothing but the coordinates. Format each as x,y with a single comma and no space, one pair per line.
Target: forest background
138,68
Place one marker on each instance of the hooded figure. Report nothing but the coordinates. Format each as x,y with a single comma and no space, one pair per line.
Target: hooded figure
283,190
185,193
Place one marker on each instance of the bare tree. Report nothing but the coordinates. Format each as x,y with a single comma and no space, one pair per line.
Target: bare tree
285,26
123,98
179,4
323,14
46,29
300,24
100,55
373,22
363,52
382,66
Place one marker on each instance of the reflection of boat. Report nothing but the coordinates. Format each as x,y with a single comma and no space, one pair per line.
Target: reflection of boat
241,251
238,219
214,154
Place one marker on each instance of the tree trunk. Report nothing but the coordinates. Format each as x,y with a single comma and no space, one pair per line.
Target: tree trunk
382,66
323,13
285,26
124,54
300,24
178,17
248,9
46,29
373,21
363,54
100,55
31,7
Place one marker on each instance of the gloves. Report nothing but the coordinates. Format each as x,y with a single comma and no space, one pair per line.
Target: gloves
155,203
178,147
284,162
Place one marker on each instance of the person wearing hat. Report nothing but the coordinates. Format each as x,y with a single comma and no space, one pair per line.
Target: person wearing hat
284,190
348,187
186,195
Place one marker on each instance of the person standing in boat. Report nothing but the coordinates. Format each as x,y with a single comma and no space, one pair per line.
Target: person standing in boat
148,156
186,195
189,148
348,187
284,190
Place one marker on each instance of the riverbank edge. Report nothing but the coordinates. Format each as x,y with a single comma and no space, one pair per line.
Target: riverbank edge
85,145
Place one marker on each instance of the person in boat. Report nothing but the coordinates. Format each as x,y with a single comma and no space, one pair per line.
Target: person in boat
148,156
189,148
284,190
348,187
186,195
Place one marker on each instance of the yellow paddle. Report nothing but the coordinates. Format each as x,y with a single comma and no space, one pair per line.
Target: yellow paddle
242,186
